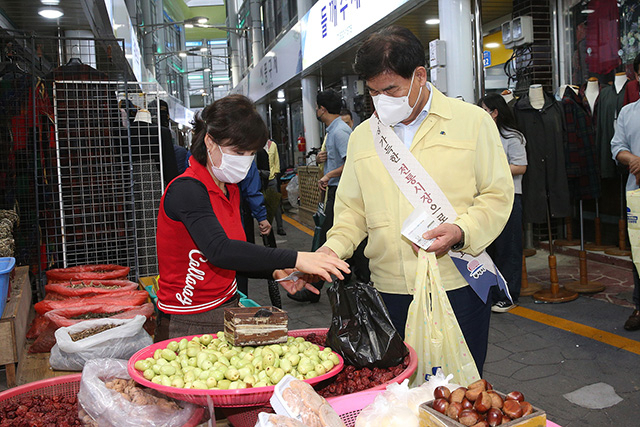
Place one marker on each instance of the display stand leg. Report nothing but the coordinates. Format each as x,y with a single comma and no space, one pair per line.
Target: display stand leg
621,250
527,233
597,246
10,370
527,289
555,294
569,241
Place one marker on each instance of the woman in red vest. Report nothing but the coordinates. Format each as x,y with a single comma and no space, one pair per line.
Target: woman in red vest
200,239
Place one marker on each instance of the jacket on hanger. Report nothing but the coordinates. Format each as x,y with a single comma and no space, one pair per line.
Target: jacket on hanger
581,155
609,104
545,182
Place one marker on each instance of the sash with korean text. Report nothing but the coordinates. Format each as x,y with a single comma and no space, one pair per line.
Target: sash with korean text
424,193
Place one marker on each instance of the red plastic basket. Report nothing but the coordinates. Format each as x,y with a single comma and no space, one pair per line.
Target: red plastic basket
246,397
410,369
67,386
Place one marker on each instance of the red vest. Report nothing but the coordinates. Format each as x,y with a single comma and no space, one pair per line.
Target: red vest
188,282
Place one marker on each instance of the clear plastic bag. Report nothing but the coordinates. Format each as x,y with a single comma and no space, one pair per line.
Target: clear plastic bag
108,407
293,190
400,395
120,342
383,412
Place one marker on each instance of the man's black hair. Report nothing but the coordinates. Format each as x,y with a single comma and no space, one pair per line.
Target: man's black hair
636,64
331,100
345,112
393,49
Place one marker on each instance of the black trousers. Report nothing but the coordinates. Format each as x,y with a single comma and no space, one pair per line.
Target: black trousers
473,317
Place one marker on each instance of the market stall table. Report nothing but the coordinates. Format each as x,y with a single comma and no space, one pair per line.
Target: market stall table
13,324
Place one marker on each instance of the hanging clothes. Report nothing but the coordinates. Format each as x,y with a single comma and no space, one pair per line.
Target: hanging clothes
545,182
603,40
609,104
631,92
581,153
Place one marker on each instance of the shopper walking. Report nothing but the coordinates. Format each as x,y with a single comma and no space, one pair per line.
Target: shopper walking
328,109
625,149
506,250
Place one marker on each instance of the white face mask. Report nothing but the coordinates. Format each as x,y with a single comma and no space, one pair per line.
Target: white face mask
392,110
233,168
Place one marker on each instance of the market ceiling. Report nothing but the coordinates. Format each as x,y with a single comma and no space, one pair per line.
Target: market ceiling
494,12
23,15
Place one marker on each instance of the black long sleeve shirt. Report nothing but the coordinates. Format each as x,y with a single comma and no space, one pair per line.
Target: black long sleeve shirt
187,201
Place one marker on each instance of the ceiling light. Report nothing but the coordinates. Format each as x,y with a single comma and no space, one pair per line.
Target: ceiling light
203,49
182,54
492,45
587,11
50,2
203,20
207,69
50,12
432,21
188,25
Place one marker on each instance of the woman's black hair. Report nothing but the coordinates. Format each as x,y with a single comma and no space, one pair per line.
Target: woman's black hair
505,120
231,121
393,49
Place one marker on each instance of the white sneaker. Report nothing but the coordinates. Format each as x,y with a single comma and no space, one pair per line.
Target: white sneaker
502,306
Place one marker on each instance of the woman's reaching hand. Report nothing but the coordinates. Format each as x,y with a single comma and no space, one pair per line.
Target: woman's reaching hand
321,264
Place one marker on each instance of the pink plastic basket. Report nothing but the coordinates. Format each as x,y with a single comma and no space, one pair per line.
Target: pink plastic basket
67,386
349,406
257,396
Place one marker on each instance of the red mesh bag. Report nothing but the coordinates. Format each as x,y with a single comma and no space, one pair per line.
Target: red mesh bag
83,288
72,315
131,298
87,272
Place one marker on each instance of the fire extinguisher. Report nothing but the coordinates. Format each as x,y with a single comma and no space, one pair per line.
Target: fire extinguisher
302,144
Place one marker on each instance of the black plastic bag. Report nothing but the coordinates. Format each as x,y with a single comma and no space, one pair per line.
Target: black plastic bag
361,330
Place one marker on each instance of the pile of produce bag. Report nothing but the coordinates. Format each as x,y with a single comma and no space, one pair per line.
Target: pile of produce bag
109,397
72,315
98,339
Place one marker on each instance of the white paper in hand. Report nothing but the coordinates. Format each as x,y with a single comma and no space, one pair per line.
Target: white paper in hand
418,223
293,277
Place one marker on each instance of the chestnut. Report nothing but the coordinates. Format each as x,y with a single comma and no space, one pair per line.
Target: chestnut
483,402
457,395
512,409
481,424
494,417
454,409
473,393
526,408
496,399
515,395
466,404
468,417
483,384
442,391
440,405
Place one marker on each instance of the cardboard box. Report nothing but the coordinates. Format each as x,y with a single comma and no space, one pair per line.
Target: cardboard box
429,417
242,326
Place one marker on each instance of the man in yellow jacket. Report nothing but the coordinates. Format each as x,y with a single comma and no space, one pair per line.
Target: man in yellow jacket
458,144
